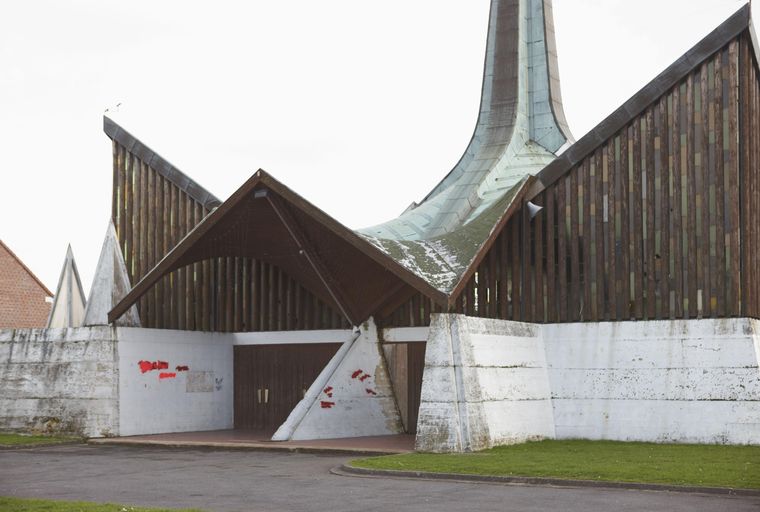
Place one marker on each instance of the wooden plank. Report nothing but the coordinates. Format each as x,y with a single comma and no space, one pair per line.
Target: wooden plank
599,246
626,215
551,282
539,292
586,244
128,180
516,273
647,139
115,184
638,222
703,198
121,227
563,218
720,203
610,272
575,306
662,209
744,166
676,234
733,200
689,193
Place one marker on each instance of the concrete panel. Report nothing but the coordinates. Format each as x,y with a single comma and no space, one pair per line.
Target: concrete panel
59,380
353,396
174,381
666,421
663,381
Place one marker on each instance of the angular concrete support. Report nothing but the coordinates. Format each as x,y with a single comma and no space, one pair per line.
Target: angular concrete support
69,300
110,285
485,384
352,397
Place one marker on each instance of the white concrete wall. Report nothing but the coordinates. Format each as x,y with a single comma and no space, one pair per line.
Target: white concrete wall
490,382
485,384
59,380
352,397
199,398
693,381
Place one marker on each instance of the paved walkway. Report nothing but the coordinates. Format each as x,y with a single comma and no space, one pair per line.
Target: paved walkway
226,481
251,439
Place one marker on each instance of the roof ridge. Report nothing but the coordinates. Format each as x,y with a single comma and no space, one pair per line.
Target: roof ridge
159,163
27,269
733,26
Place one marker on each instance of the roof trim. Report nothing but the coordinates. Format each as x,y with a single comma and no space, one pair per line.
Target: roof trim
27,269
639,102
155,161
262,178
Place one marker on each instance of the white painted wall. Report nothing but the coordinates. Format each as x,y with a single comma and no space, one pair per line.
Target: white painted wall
200,398
352,397
59,380
490,382
691,381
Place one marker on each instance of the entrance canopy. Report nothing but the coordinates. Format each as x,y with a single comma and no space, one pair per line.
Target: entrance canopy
265,220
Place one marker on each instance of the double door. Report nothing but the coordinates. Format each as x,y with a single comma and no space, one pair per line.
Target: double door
271,379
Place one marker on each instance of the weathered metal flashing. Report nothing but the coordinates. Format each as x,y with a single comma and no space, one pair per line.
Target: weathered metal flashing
639,102
160,164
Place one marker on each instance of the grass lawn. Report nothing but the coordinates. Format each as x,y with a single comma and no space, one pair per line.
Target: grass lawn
675,464
11,440
29,505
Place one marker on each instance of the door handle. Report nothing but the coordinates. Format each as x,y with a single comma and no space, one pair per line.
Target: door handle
258,392
266,396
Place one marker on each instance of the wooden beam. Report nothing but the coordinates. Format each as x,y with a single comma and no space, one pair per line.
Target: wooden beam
307,250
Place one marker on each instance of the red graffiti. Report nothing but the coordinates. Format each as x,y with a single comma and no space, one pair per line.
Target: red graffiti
356,373
167,375
370,391
147,366
328,389
364,377
326,405
182,368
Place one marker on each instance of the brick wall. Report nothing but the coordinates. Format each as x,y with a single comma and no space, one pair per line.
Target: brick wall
22,296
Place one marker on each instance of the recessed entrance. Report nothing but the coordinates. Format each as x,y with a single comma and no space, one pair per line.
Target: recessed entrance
270,380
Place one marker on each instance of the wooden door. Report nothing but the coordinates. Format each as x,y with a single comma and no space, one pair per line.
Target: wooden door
271,379
415,368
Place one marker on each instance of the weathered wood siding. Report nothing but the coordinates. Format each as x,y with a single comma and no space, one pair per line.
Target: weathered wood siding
152,214
659,222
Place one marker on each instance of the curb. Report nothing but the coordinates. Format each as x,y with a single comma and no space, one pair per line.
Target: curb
178,445
351,471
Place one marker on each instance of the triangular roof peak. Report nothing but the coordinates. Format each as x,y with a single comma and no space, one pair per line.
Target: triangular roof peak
69,301
26,269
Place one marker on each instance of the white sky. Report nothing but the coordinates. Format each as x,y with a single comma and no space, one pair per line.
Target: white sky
361,107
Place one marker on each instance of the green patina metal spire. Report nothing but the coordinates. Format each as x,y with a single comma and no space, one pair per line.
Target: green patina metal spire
521,128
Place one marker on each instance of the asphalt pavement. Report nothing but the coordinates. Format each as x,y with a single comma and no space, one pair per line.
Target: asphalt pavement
218,480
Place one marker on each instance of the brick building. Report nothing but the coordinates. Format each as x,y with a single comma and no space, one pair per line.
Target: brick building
23,297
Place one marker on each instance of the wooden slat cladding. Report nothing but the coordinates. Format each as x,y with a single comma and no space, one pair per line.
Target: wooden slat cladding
151,215
650,225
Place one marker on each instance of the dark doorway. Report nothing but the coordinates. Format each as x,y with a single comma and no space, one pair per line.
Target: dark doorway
271,379
415,368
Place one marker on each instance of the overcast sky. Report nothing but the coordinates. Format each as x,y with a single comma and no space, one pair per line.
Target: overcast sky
361,107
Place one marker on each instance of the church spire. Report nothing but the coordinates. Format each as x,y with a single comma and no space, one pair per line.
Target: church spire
521,124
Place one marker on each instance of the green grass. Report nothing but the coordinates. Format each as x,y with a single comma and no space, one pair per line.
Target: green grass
13,440
30,505
674,464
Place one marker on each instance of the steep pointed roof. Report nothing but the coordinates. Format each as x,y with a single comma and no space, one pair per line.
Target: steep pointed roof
109,285
432,247
521,127
69,301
